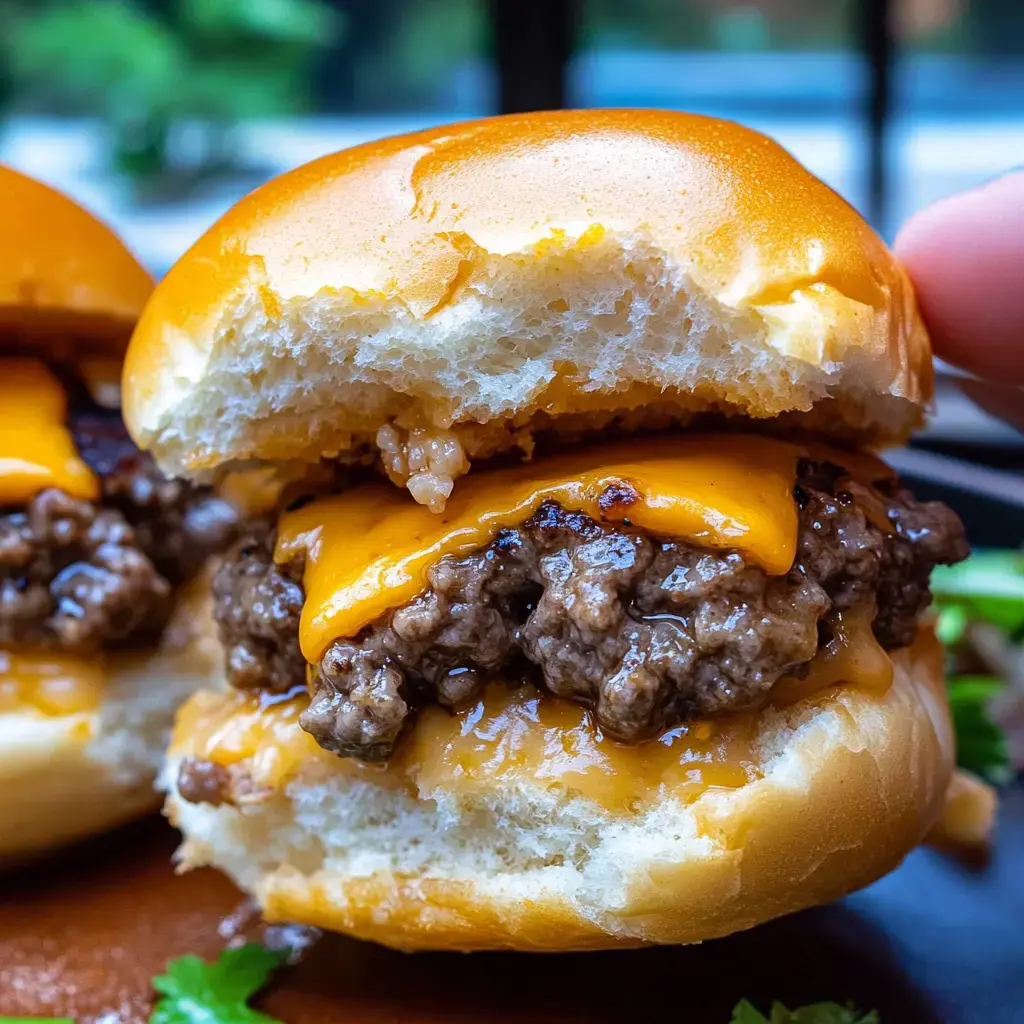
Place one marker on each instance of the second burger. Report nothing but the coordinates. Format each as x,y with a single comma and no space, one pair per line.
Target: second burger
104,615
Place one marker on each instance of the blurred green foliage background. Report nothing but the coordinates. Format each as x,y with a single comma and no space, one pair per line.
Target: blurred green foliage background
170,79
981,622
148,71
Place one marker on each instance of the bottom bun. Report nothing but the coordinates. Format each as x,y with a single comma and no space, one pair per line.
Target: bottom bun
839,788
66,776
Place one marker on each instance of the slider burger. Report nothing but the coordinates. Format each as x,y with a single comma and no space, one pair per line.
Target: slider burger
591,620
101,609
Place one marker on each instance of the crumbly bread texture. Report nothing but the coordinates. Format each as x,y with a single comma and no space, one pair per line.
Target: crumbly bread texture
65,777
450,294
63,272
852,780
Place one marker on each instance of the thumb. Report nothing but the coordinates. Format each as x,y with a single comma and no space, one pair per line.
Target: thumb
965,255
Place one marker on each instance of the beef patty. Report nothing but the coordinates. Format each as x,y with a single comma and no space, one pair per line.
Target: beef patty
646,632
79,576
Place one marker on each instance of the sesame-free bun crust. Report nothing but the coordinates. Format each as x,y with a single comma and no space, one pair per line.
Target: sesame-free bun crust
65,777
492,279
62,271
852,780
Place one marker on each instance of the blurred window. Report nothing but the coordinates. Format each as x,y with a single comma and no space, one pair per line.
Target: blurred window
787,67
958,113
127,102
787,58
159,114
409,55
794,69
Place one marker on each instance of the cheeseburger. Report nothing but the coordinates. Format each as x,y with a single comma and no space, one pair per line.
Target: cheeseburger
589,619
101,606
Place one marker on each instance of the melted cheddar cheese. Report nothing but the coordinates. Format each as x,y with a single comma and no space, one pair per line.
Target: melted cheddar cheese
49,684
852,655
368,550
511,734
516,735
36,448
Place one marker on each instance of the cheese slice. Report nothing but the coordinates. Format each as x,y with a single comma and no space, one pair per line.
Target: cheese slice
368,549
37,450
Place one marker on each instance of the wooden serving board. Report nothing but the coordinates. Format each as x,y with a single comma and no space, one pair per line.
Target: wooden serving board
82,934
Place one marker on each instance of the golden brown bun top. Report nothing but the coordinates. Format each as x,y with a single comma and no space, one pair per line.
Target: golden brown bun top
377,242
62,271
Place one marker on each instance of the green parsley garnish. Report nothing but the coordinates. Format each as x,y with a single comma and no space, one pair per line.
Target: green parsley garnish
988,586
195,992
819,1013
981,746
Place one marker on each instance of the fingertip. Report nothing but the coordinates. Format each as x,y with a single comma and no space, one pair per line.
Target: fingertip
1004,401
965,255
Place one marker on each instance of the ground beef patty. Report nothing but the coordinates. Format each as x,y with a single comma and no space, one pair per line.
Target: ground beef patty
647,633
78,576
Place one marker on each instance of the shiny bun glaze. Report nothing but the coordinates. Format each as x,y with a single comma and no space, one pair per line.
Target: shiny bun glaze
648,264
63,273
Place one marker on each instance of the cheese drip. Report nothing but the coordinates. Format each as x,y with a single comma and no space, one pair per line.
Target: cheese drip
37,450
368,550
852,655
509,735
517,735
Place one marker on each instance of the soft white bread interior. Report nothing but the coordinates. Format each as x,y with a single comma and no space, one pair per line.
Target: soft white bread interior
848,783
66,777
441,296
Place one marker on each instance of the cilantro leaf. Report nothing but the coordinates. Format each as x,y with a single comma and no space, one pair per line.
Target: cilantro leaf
981,746
195,992
819,1013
